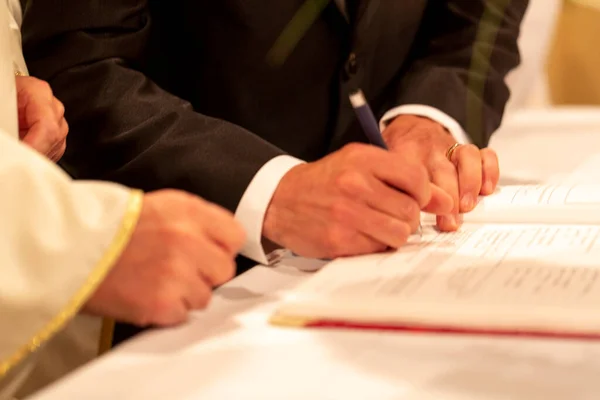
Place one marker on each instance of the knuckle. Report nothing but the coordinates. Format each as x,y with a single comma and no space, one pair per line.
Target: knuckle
57,133
351,148
446,168
411,210
191,203
467,152
41,85
176,198
471,148
350,182
63,131
356,152
60,107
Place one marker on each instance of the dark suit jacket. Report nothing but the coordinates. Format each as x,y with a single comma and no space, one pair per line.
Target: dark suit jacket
178,93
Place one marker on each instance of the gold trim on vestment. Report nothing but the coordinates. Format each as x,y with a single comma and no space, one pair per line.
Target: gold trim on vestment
128,224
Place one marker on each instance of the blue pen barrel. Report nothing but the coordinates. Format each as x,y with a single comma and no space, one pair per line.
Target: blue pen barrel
367,120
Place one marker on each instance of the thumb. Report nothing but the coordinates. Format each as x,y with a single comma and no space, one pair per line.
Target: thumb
39,138
441,203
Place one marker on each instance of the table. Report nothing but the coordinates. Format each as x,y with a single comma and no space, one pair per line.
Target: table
230,352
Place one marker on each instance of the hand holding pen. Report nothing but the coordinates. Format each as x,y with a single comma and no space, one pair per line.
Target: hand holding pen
370,126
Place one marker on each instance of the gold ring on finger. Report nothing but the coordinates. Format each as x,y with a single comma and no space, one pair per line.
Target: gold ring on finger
451,151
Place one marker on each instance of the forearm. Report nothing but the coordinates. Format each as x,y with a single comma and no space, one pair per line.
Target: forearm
462,55
145,137
59,239
126,128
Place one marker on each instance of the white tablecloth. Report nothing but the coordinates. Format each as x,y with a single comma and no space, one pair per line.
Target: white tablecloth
230,352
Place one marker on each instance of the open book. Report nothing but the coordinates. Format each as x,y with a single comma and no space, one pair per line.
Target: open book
526,261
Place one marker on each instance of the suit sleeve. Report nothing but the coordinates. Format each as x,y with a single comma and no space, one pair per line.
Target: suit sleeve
458,64
124,127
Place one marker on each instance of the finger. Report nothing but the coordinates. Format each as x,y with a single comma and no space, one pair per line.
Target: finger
381,197
199,293
172,314
467,160
444,176
40,137
43,126
59,108
407,176
441,202
221,227
60,147
58,151
214,264
490,171
346,242
382,228
166,305
63,129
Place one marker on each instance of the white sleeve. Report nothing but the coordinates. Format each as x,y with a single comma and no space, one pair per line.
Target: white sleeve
15,20
58,239
254,203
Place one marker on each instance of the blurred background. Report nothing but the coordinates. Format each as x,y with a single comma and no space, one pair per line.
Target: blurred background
553,115
560,56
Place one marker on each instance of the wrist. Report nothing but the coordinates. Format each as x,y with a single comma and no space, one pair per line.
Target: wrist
274,223
408,124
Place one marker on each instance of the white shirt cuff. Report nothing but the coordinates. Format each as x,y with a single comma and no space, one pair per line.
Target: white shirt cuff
256,199
428,112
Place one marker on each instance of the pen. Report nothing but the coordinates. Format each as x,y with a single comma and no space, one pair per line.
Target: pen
369,124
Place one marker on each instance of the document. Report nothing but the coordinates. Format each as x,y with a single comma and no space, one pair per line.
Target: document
527,260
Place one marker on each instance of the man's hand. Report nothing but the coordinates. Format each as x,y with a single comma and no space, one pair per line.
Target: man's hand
181,248
470,172
41,117
358,200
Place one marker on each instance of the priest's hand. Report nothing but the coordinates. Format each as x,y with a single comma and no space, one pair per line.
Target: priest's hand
41,117
358,200
181,248
462,171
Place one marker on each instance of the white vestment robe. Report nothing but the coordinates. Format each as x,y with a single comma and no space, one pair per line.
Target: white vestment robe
58,237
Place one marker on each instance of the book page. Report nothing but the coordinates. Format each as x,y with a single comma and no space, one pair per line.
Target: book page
538,204
505,271
586,173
